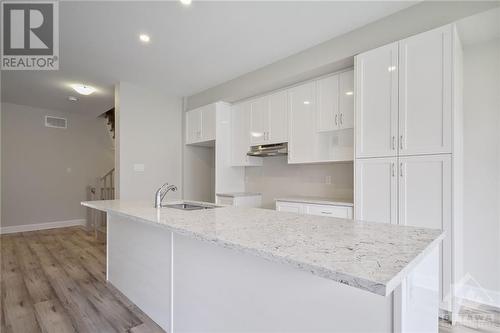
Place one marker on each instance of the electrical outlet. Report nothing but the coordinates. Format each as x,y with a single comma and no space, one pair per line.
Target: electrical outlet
328,180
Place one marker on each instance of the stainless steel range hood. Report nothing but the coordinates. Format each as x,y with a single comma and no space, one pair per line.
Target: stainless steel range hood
277,149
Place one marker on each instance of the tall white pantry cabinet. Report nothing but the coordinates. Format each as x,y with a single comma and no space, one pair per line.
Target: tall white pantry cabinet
408,141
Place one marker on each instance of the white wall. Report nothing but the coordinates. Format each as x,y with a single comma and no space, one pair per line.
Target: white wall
45,171
276,178
482,163
199,173
149,132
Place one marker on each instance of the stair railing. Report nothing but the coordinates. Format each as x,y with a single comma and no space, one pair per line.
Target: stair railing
103,189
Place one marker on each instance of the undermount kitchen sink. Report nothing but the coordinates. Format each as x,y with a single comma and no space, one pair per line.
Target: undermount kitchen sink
188,206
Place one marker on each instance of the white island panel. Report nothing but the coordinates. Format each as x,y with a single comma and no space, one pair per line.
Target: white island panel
222,290
139,265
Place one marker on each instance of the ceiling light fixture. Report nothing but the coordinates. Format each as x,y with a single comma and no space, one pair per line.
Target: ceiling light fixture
349,93
185,2
83,89
144,38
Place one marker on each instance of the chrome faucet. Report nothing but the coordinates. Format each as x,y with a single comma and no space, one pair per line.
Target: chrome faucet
161,192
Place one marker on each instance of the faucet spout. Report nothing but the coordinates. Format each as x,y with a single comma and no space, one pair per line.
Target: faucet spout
161,192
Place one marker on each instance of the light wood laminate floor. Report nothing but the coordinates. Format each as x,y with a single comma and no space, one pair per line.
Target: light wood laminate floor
55,281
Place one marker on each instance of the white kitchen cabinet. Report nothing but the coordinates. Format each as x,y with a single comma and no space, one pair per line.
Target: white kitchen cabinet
200,124
425,93
302,113
424,136
425,200
269,119
377,102
338,211
290,207
343,212
248,200
327,113
278,118
376,190
335,102
346,99
240,136
259,111
193,126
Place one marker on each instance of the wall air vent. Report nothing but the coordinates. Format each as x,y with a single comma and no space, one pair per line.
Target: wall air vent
56,122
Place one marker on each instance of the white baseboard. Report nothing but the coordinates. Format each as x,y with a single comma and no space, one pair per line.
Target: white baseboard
42,226
479,295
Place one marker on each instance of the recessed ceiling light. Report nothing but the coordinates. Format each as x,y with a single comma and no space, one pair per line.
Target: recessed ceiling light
349,93
72,98
185,2
83,89
144,38
307,102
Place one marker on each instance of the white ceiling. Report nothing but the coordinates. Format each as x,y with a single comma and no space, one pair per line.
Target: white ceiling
192,48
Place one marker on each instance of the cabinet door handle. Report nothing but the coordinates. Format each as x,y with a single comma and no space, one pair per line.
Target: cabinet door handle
400,142
336,120
341,119
393,142
326,213
393,169
401,169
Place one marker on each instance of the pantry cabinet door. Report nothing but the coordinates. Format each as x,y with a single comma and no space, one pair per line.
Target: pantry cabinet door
302,110
376,107
277,118
425,98
376,190
425,201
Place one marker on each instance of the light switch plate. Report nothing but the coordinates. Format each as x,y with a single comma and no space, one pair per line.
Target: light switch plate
139,167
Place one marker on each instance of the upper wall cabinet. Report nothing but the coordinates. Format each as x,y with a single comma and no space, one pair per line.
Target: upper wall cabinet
335,102
240,136
346,99
377,102
404,97
269,119
302,111
425,97
200,125
327,113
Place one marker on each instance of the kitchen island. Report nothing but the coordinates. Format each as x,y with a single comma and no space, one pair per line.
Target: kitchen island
232,269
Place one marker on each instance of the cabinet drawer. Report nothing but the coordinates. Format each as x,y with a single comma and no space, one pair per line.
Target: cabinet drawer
289,207
229,201
332,211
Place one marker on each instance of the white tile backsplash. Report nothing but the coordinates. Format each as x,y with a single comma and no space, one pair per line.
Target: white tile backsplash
277,178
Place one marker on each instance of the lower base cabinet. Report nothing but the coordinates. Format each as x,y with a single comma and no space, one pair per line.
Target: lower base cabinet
249,201
338,211
411,190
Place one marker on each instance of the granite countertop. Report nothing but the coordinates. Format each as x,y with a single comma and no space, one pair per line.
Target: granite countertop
317,200
371,256
239,194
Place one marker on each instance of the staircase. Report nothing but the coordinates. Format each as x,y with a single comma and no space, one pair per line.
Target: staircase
110,117
103,189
